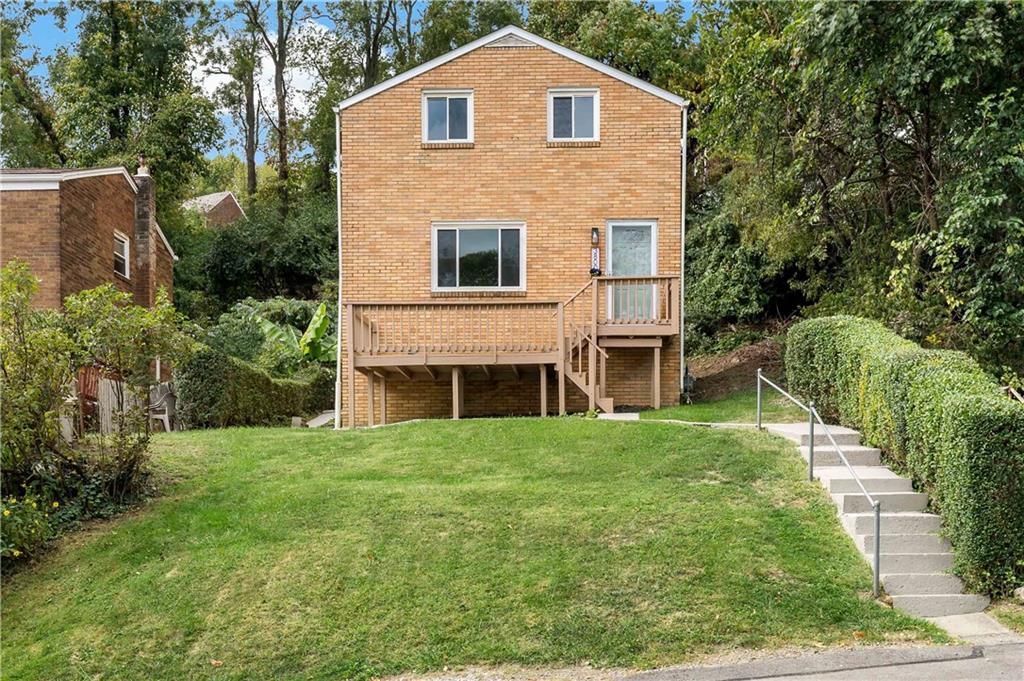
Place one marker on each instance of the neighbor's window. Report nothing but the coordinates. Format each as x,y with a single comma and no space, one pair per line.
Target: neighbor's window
479,257
121,254
574,115
448,116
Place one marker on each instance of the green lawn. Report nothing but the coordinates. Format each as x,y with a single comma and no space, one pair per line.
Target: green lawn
292,553
738,407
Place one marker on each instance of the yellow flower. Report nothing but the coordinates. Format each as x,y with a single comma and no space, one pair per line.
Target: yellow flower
16,553
55,504
33,504
6,512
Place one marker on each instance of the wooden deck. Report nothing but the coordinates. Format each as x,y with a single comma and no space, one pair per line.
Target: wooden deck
432,340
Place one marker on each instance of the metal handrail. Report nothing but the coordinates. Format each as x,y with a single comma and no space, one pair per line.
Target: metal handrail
813,415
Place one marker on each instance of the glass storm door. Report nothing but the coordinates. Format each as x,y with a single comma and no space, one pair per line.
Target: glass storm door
631,253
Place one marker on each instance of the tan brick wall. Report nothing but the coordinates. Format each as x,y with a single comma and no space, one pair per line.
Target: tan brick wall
30,231
393,189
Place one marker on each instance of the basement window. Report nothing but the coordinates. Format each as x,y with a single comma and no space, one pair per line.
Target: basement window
478,257
121,253
447,116
574,115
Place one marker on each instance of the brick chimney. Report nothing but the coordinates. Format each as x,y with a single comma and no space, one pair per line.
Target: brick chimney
145,233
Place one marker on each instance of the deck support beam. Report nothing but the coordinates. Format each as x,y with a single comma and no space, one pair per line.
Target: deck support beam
383,400
656,379
370,378
560,366
543,390
458,393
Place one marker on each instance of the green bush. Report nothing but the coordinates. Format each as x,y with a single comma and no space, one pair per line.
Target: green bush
24,528
216,391
939,418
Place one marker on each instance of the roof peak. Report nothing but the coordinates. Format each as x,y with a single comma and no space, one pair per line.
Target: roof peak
522,34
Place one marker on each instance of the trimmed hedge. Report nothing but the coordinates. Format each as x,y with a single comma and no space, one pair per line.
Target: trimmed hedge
940,419
216,391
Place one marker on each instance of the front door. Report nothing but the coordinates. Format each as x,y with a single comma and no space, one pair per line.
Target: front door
632,252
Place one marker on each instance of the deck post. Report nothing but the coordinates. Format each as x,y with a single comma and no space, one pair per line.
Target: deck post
656,379
543,390
457,390
560,367
592,356
369,398
383,400
350,342
603,389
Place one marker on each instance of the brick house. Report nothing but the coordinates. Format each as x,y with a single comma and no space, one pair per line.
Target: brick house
217,210
78,229
511,220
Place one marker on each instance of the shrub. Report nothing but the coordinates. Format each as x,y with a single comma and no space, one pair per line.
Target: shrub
40,354
216,391
24,527
939,418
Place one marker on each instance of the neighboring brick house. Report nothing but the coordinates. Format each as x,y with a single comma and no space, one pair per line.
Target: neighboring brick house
511,221
217,210
78,229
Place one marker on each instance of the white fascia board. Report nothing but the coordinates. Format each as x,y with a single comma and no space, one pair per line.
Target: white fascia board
164,239
15,181
29,183
525,35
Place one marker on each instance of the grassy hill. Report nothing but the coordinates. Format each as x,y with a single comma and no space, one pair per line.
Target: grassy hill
284,553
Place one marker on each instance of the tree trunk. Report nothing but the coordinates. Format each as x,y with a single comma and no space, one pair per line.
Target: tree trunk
282,107
884,188
250,135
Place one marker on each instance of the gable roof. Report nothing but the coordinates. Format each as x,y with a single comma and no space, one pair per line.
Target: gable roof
28,179
511,34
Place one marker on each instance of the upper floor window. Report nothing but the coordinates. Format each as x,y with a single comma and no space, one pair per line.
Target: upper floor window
479,257
447,116
121,253
574,115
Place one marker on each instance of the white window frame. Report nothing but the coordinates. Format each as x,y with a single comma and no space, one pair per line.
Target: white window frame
471,224
447,94
122,237
574,92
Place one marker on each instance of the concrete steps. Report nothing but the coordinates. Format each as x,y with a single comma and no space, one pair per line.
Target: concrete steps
826,455
915,560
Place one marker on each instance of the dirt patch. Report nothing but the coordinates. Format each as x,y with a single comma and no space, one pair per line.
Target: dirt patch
720,375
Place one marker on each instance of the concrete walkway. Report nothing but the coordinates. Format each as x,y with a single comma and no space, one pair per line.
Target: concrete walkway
942,663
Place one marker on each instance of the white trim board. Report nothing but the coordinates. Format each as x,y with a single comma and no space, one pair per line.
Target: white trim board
167,244
12,180
523,35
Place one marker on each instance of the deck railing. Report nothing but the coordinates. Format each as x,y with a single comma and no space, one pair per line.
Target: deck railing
638,300
457,327
453,328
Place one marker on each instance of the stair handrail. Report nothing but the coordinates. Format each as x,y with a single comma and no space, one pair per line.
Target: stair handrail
812,416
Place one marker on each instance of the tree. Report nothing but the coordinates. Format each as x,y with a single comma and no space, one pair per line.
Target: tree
30,136
877,150
276,36
237,55
448,24
125,89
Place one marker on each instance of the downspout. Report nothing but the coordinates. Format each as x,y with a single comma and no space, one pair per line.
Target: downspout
341,312
682,250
